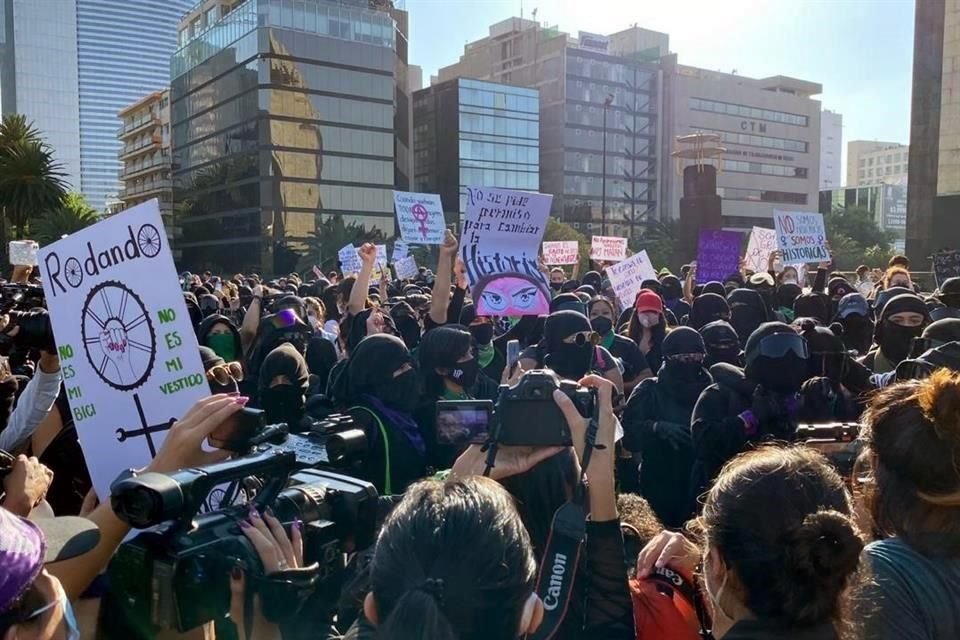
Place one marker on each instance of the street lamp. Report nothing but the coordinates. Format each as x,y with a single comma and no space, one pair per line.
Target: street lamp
603,182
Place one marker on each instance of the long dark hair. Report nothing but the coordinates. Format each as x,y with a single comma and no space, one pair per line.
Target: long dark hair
441,348
453,562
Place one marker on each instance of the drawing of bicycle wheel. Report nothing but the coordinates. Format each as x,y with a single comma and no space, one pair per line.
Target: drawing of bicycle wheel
118,336
73,272
148,238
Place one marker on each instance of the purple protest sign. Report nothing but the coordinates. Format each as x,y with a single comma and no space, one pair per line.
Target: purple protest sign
718,255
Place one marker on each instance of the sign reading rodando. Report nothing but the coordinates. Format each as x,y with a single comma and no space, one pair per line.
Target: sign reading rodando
128,351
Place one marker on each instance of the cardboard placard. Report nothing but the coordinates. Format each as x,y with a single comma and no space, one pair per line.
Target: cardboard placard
608,248
561,252
627,277
762,242
400,251
127,347
349,260
718,255
420,217
801,237
946,264
502,230
406,268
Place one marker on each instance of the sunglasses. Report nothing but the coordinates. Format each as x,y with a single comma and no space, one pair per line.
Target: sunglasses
686,357
583,337
780,344
224,374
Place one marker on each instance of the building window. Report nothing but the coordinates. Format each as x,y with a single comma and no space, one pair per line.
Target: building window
862,174
753,113
862,162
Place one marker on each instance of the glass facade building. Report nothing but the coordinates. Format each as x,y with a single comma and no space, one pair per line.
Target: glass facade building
284,112
470,133
123,53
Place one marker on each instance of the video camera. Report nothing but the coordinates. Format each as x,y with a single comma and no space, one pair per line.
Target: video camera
176,575
525,414
21,296
837,441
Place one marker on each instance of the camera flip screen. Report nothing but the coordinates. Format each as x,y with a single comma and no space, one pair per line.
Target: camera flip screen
463,421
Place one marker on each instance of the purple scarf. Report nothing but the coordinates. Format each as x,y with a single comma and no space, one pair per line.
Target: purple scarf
401,421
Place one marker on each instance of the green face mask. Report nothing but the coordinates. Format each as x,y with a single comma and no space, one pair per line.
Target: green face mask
223,345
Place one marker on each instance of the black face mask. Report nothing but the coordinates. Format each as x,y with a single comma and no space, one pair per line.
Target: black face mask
465,373
683,371
602,325
570,361
857,333
283,404
482,333
401,393
895,340
729,355
556,286
783,375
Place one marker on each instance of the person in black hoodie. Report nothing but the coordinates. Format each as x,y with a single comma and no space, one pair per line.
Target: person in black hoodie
283,385
747,312
722,344
744,406
902,319
656,424
853,314
671,290
812,305
708,307
221,334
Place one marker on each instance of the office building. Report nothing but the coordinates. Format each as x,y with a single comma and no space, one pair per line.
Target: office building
887,203
934,173
283,113
831,150
871,162
584,82
471,133
145,136
769,130
71,65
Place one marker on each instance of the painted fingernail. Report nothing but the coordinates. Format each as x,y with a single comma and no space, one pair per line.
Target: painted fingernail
241,400
245,525
236,573
254,513
297,525
269,512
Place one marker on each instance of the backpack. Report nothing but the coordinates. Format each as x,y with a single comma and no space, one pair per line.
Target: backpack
667,606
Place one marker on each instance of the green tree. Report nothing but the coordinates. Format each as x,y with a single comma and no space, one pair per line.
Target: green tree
31,181
72,216
332,235
855,238
659,240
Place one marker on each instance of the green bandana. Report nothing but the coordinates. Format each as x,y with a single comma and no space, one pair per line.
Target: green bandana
608,339
223,345
450,395
486,354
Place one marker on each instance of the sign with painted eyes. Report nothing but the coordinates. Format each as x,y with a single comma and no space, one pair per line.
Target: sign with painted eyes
499,245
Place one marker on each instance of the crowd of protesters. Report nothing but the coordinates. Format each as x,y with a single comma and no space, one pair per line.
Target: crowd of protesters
710,512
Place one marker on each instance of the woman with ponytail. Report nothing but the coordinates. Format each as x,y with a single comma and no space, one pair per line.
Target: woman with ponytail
780,551
912,433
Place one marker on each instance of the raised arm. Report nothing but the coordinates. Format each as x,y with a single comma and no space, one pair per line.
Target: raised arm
441,285
361,288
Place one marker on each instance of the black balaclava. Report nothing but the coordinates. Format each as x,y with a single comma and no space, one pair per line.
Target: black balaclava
783,374
671,288
654,285
836,289
482,333
193,308
733,282
886,296
950,293
370,372
568,302
570,361
940,332
283,402
895,341
210,305
787,294
827,353
569,286
722,344
714,287
357,327
683,380
812,305
593,279
408,326
747,312
707,308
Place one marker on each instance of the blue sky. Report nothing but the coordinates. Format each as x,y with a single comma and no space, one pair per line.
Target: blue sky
861,51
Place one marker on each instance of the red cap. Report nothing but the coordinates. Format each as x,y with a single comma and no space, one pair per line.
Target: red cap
647,300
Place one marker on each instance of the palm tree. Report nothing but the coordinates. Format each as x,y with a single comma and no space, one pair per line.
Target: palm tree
31,181
72,216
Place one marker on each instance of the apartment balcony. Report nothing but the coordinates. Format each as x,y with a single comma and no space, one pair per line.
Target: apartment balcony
133,128
132,150
148,188
146,168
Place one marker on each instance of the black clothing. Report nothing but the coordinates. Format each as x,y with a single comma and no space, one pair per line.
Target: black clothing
627,351
747,312
406,465
753,629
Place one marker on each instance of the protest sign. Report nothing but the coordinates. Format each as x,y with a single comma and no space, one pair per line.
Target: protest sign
718,255
380,265
627,277
400,251
406,268
127,347
946,264
800,237
499,246
349,260
561,252
420,217
608,249
762,242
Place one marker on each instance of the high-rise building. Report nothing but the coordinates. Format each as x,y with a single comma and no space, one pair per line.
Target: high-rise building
934,176
472,133
886,202
831,149
284,112
589,86
71,65
769,133
145,135
870,162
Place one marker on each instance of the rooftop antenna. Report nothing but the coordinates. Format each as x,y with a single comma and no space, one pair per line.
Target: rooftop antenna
521,9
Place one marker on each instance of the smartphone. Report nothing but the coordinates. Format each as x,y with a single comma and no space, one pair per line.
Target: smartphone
235,433
513,355
463,422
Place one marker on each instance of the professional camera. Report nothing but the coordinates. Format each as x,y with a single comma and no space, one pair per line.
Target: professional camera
21,296
176,575
836,441
525,414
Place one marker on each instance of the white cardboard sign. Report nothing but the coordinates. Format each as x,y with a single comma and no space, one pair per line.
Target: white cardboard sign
627,277
127,348
801,237
400,251
420,217
406,268
561,252
608,249
349,260
762,242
